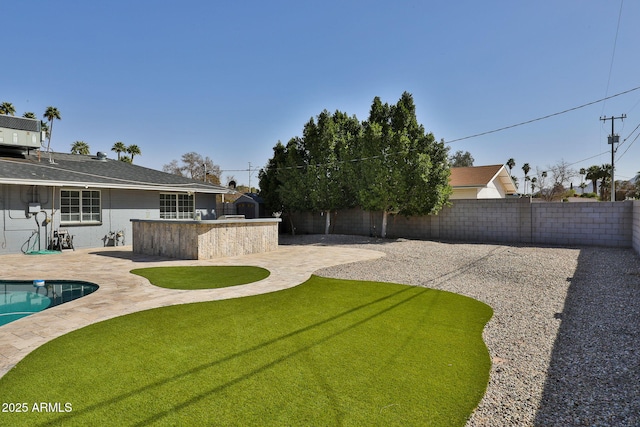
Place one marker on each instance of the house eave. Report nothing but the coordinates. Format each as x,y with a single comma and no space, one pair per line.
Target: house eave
456,187
186,188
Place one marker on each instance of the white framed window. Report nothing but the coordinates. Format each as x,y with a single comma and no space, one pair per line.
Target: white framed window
177,206
80,206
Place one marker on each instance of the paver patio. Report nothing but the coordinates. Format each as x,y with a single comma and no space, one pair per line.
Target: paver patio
122,293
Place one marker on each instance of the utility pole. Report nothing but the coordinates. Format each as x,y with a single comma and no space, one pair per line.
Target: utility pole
249,177
613,139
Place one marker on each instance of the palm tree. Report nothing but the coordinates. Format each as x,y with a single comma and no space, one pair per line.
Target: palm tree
605,181
7,109
583,185
80,147
51,114
534,180
134,150
593,174
526,168
515,181
510,164
582,173
119,147
29,115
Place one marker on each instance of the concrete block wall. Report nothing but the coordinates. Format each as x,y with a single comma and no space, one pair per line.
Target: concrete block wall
636,226
593,224
489,220
498,220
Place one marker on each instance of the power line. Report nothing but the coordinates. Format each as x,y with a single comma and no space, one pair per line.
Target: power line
613,54
629,146
468,137
629,136
588,158
543,117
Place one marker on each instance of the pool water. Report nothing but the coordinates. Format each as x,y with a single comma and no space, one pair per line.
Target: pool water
20,298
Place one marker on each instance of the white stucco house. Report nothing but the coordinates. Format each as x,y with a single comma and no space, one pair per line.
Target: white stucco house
481,182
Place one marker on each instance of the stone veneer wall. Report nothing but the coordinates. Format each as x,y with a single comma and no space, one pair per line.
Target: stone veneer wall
204,239
498,220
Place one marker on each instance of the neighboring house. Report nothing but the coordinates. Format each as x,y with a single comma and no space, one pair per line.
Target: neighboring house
20,133
91,198
481,182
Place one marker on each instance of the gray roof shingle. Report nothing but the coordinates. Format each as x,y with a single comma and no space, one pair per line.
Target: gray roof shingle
77,170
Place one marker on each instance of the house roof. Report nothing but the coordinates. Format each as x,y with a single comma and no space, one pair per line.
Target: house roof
20,123
480,176
75,170
249,197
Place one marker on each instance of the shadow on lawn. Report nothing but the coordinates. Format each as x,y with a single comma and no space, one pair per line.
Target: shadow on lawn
413,293
594,373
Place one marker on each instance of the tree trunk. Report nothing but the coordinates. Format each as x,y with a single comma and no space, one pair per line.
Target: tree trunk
327,221
293,229
383,231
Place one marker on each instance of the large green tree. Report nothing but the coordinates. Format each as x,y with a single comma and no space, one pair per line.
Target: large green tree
268,179
400,168
283,180
326,144
461,159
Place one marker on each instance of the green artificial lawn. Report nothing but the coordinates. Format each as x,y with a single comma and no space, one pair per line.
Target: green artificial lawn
201,277
327,352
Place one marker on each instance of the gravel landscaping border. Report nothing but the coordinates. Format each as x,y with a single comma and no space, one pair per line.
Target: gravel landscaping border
565,336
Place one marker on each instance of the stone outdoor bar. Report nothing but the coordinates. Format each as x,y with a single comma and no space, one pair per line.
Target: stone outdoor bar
193,239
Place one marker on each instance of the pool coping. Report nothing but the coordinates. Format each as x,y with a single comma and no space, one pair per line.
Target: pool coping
123,293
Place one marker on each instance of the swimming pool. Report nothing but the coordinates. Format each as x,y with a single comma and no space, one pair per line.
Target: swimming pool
20,298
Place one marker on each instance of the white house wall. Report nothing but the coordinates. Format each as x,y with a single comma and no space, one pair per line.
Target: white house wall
493,190
464,193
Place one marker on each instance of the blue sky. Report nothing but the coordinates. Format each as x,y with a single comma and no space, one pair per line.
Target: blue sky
228,80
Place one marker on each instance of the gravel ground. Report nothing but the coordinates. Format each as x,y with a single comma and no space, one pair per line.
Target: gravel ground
565,335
